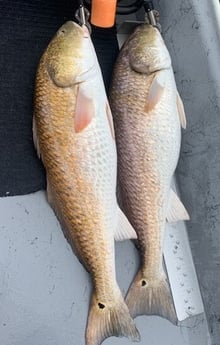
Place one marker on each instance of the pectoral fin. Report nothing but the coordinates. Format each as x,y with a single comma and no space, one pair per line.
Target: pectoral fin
181,110
176,210
123,230
84,111
156,91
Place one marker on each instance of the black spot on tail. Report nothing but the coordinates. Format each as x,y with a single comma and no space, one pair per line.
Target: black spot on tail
143,283
101,306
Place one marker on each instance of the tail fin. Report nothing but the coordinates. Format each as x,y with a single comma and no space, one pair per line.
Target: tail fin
150,298
105,320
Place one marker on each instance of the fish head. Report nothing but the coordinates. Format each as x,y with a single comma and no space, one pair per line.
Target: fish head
69,55
147,50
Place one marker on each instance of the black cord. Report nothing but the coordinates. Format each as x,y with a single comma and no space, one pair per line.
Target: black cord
135,3
129,9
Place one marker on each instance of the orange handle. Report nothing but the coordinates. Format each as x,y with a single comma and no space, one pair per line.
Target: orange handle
103,13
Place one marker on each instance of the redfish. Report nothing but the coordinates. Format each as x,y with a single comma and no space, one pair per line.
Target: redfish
148,114
74,136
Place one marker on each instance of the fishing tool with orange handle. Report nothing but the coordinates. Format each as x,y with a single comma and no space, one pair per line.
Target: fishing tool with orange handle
103,13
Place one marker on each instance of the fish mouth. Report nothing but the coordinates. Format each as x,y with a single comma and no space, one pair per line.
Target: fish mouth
82,28
70,25
91,72
86,33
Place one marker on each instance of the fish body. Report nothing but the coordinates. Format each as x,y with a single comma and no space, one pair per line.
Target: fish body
148,113
74,136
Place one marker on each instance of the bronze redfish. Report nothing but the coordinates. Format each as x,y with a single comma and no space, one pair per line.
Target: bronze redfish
74,136
148,112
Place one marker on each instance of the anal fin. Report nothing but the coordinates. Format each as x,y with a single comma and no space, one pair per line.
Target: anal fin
181,111
176,210
124,229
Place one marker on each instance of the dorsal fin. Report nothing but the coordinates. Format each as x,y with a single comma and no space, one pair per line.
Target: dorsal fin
35,137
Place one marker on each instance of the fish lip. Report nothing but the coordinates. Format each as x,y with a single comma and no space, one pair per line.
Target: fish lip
85,31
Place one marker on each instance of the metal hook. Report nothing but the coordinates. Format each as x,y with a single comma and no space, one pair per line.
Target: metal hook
152,14
82,15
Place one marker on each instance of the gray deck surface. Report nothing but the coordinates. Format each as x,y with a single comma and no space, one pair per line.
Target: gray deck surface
45,291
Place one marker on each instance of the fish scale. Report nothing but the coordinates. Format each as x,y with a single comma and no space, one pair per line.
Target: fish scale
144,102
73,135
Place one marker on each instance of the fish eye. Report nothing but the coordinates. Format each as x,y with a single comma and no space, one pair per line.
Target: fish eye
61,32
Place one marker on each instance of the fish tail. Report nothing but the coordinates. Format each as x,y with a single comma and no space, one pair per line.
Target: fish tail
151,297
109,319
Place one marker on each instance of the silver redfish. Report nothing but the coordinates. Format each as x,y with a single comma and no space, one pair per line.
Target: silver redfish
74,135
148,112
